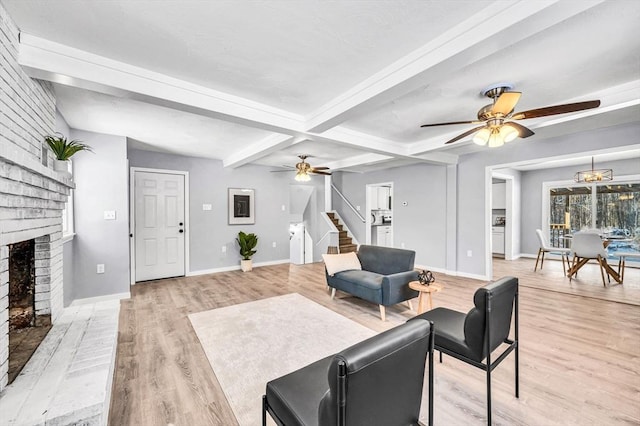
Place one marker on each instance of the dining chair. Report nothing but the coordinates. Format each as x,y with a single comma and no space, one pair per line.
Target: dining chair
472,337
589,246
545,247
378,381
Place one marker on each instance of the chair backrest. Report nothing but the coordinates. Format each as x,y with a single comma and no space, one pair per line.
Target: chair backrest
588,244
542,239
384,378
386,260
502,294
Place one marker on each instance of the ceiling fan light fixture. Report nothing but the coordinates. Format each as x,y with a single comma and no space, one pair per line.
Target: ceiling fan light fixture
482,137
495,140
593,175
302,176
508,133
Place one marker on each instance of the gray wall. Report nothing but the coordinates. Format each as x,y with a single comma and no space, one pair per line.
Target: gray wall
101,184
209,230
532,194
420,225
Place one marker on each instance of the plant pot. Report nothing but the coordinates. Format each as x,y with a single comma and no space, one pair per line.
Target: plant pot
246,265
61,166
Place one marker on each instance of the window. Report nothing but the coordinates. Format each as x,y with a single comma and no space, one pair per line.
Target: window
67,214
613,208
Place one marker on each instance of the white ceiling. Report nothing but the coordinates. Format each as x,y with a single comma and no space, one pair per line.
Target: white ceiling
347,82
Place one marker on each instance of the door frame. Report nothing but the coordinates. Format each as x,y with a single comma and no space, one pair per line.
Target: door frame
132,217
368,188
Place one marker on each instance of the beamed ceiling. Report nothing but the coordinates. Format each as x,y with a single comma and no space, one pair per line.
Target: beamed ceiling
346,82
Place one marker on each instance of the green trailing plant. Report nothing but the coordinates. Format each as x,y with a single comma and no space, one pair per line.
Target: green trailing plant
247,243
64,149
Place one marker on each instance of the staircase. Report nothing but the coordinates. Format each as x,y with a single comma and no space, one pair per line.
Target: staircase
345,242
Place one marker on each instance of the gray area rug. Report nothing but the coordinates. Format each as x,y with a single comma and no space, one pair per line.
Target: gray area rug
249,344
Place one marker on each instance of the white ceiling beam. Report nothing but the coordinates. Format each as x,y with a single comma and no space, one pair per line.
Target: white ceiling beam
260,149
358,160
47,60
472,40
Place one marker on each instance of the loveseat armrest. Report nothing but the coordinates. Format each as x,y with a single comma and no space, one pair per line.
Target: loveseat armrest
395,287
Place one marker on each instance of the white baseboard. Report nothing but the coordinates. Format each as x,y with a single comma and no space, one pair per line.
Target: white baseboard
234,268
90,300
453,273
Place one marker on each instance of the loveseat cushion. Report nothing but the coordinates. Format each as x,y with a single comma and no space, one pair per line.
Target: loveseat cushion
363,284
386,260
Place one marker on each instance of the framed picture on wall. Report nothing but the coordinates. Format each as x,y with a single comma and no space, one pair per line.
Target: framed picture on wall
241,206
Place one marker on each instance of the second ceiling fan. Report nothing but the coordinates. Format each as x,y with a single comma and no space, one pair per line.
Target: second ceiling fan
304,169
497,118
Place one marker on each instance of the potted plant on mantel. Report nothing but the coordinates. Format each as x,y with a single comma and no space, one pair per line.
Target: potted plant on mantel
63,150
247,243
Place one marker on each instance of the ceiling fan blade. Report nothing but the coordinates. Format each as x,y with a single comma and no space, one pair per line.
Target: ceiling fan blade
555,109
506,102
452,122
467,133
315,172
281,171
523,132
320,168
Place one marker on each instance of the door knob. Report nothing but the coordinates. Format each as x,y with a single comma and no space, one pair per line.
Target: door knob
181,231
180,224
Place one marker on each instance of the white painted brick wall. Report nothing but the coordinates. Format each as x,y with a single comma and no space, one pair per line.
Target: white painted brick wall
32,196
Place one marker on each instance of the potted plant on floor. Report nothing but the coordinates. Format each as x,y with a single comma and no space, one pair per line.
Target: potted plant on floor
64,149
247,243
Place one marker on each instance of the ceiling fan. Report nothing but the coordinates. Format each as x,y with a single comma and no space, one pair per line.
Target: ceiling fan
496,118
304,169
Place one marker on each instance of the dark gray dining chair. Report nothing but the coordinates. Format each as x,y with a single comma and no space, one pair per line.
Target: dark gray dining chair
472,337
375,382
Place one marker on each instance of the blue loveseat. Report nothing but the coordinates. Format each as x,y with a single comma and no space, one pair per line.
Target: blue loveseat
383,279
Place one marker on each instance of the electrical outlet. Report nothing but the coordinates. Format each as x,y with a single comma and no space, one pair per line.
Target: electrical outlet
224,249
469,253
401,245
206,207
358,208
274,244
284,207
109,215
100,268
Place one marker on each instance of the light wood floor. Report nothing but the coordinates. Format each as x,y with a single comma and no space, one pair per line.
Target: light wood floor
579,355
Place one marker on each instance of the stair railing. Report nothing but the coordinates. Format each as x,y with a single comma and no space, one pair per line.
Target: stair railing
348,203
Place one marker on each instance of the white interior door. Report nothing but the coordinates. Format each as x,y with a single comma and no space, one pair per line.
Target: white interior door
159,225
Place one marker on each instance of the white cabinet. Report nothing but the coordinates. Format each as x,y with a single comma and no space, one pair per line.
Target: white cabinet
383,236
497,239
499,196
381,198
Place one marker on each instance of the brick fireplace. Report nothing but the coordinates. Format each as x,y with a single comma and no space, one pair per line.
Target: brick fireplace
32,194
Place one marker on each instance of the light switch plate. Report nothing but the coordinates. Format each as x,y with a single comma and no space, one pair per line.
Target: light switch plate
109,215
206,207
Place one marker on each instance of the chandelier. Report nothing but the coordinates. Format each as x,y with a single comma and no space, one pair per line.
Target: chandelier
593,175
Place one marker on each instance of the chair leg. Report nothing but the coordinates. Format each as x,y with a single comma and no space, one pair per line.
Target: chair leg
537,259
409,304
382,313
264,410
489,395
604,283
333,293
564,258
542,260
440,357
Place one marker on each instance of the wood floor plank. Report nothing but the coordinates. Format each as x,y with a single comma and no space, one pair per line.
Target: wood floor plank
579,347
